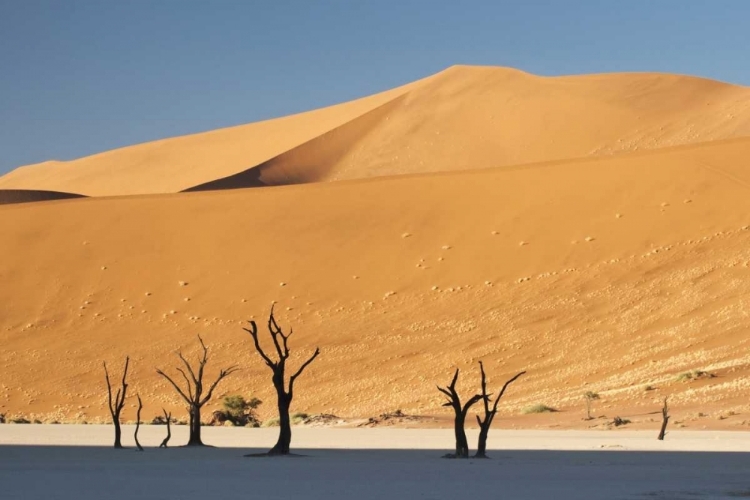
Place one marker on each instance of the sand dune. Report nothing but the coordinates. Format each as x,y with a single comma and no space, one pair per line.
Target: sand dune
462,118
606,274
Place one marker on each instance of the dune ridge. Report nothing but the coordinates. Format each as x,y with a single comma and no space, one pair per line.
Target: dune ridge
460,119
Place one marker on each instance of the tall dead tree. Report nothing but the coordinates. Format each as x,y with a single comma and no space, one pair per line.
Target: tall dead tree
454,401
193,394
284,395
116,405
664,421
168,418
489,415
138,423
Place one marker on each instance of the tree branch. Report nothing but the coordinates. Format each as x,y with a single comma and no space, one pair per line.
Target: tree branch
254,334
301,368
176,387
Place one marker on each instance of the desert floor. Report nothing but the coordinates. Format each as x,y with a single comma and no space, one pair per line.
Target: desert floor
47,462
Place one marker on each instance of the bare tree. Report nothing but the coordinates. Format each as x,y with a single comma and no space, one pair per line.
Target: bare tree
454,401
115,407
664,421
138,422
168,418
284,395
489,415
194,393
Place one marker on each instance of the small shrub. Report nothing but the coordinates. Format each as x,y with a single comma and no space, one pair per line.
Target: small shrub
617,422
19,420
694,375
649,388
2,418
538,408
298,418
238,411
271,422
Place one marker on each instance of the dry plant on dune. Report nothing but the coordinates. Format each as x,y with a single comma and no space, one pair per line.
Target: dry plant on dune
284,395
194,392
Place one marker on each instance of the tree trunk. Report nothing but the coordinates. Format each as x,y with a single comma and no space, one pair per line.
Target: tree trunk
484,430
285,426
462,444
195,427
664,421
118,432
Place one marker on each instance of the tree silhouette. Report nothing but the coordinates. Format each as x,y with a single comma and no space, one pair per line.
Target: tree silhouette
489,414
664,420
454,401
138,423
115,407
194,392
284,395
168,418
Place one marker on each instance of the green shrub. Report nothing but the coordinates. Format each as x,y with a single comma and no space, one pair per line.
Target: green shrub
238,411
538,408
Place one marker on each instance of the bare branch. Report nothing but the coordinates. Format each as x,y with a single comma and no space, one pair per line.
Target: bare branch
254,334
301,368
176,387
187,382
187,365
222,374
502,391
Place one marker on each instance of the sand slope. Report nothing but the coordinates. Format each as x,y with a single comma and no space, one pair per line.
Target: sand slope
462,118
604,274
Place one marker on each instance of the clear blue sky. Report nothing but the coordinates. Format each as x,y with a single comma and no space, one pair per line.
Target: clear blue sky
82,76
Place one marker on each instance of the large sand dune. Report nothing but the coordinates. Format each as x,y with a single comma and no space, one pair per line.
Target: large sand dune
462,118
605,274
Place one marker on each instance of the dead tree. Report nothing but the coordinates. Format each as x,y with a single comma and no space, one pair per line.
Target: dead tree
284,395
664,421
138,422
115,407
454,401
489,415
168,418
194,393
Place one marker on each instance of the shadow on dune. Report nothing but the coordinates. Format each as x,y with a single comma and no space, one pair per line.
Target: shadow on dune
10,196
312,161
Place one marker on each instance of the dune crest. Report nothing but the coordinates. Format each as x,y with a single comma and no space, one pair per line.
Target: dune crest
459,119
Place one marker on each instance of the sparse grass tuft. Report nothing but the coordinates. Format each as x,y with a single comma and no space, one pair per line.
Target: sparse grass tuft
298,418
538,408
694,375
271,422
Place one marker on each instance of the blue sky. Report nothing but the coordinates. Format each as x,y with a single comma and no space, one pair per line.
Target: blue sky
82,76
